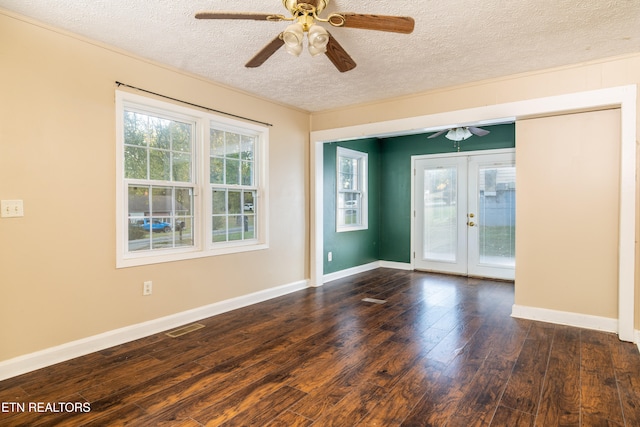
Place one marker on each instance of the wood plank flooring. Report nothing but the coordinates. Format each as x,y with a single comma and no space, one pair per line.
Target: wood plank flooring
442,351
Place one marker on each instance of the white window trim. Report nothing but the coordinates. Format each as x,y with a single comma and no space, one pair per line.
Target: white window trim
203,247
364,178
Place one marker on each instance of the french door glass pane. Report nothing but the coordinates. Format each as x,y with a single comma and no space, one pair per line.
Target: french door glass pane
440,214
497,215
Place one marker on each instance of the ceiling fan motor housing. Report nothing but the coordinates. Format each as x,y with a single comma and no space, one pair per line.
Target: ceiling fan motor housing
293,5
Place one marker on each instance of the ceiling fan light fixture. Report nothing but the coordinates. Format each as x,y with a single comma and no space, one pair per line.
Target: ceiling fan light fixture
458,134
304,15
318,38
292,37
294,50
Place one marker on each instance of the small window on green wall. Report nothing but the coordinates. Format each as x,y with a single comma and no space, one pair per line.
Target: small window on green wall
351,179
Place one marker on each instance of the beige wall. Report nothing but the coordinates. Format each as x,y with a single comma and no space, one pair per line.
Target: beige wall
58,280
613,72
567,213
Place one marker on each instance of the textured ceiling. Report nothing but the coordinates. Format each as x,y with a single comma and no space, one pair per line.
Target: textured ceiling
454,42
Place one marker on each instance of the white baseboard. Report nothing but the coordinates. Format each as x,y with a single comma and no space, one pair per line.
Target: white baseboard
365,267
350,271
50,356
570,319
566,318
396,265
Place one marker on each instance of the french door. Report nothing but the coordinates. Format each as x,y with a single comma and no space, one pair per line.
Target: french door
464,214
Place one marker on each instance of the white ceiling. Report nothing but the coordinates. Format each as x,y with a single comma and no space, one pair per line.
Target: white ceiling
454,42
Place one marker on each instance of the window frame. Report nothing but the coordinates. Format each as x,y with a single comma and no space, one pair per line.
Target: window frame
255,186
362,191
202,200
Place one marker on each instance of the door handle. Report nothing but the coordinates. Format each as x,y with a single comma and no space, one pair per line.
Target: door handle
471,223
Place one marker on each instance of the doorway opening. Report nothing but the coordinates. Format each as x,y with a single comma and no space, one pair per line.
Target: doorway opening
623,97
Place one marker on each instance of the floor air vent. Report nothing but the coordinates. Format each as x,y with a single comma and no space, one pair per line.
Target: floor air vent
183,330
375,301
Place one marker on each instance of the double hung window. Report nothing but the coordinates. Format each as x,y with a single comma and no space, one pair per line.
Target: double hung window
158,172
233,185
351,205
189,183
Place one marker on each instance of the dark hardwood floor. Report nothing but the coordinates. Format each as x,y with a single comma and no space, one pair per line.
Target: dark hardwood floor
442,351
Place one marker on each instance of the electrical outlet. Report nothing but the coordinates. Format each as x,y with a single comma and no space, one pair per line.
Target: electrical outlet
147,288
330,256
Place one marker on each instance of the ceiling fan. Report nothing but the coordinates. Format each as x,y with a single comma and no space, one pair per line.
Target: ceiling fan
304,14
460,133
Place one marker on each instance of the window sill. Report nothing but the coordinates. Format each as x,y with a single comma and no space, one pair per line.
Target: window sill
354,228
136,260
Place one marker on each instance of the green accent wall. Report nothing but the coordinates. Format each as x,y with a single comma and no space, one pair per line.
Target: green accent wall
395,191
351,248
389,235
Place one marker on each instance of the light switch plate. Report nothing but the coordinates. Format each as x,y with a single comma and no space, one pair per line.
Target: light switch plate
11,208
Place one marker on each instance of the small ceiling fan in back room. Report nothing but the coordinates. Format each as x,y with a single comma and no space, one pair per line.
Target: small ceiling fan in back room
306,19
460,133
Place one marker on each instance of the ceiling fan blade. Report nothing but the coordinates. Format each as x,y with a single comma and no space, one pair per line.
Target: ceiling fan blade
239,15
437,134
478,131
266,52
339,56
396,24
